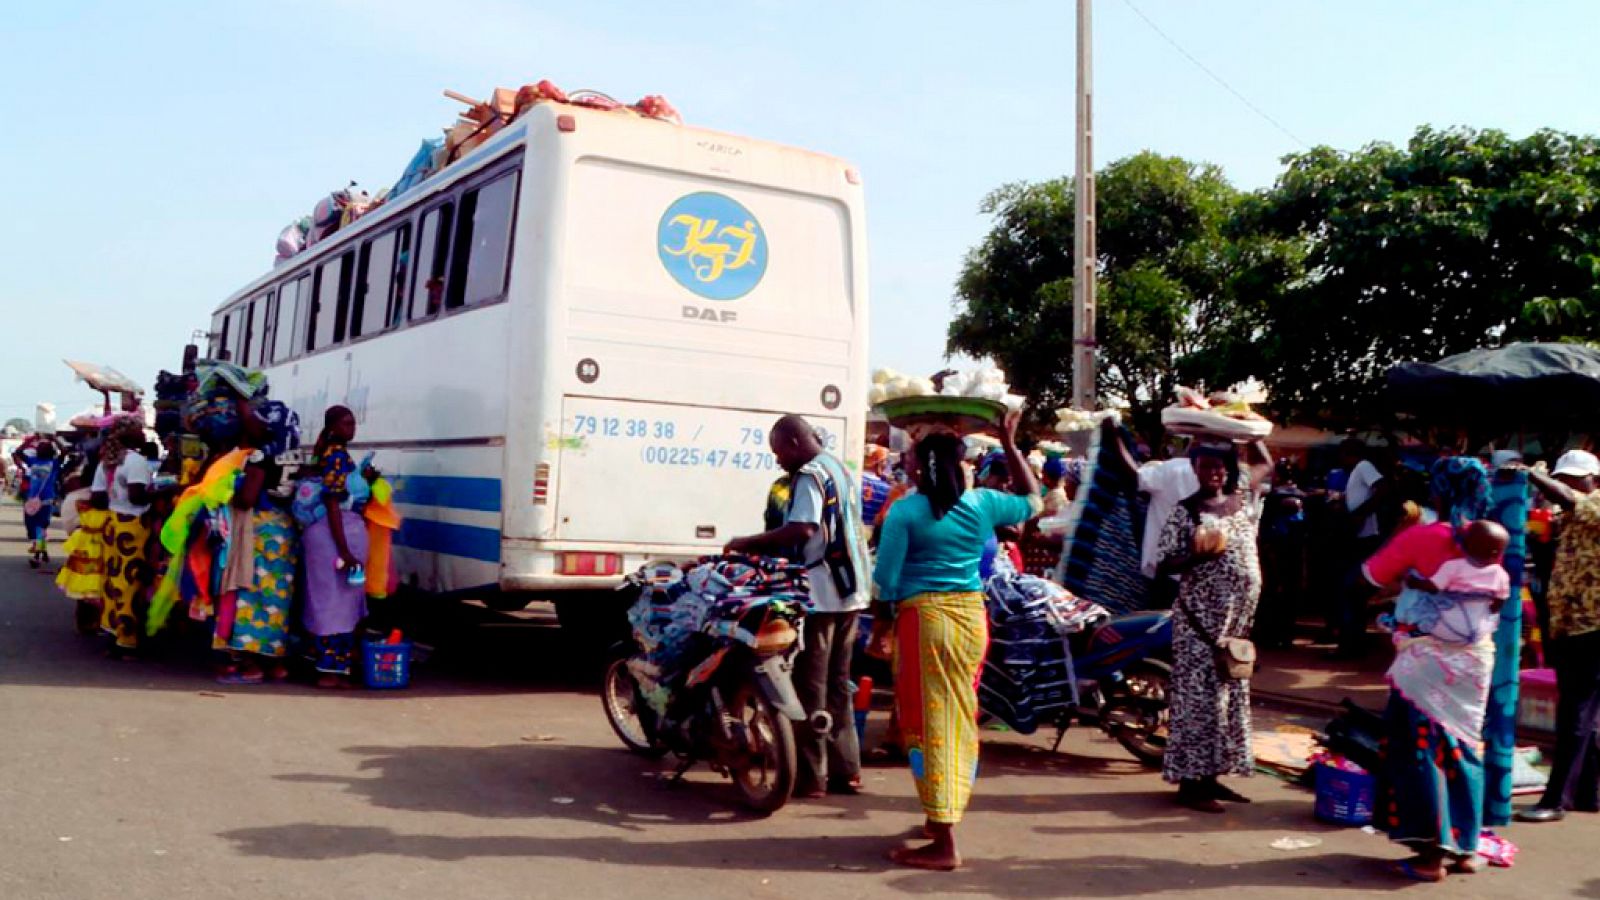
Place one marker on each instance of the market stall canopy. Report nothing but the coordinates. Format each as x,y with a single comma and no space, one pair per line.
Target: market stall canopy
1518,381
103,378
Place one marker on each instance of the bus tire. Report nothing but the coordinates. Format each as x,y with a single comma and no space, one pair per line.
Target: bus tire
507,602
595,618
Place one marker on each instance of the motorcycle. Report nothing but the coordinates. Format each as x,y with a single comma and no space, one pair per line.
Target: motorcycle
720,689
1110,672
1122,683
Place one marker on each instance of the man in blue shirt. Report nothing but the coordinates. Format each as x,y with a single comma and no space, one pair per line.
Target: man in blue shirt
822,529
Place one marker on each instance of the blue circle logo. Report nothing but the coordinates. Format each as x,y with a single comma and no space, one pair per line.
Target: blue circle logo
712,245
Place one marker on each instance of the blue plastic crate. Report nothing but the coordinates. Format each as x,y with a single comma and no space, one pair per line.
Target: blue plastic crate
386,666
1345,798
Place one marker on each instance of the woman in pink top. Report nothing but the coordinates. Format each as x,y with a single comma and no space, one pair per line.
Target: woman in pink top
1430,784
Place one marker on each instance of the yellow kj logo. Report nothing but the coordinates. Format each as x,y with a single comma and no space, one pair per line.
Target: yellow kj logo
715,260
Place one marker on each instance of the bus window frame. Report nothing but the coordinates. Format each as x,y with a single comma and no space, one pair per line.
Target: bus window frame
363,263
306,275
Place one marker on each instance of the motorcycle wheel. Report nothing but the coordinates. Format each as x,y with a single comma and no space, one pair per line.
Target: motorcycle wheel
1144,683
619,693
764,771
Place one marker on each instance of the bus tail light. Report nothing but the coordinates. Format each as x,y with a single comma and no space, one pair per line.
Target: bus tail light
541,485
589,563
566,124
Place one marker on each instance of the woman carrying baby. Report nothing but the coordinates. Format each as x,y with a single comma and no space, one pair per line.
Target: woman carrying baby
1430,785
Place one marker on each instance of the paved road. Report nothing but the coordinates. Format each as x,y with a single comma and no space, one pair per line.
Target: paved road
496,776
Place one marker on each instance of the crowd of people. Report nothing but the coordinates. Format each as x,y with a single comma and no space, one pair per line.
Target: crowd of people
1433,553
193,521
181,518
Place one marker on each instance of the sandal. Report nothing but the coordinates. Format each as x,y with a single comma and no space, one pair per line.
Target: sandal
1407,868
241,678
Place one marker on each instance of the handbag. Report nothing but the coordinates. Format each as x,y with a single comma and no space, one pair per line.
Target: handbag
1235,657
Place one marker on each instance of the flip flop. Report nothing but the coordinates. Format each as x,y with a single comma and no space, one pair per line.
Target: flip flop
1407,869
241,678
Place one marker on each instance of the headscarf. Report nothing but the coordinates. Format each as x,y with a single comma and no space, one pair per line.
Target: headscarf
1462,485
876,455
993,462
1054,467
282,426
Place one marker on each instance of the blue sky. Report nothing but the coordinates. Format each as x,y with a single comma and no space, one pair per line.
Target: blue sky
152,151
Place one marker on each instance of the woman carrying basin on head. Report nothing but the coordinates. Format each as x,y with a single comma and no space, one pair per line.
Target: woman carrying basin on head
929,549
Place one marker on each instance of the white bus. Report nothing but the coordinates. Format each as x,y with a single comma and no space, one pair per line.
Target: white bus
566,349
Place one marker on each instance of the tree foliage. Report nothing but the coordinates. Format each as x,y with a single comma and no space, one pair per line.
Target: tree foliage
1349,263
1460,239
1178,289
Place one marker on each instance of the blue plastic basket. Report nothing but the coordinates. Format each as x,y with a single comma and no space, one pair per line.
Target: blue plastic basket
1344,798
386,666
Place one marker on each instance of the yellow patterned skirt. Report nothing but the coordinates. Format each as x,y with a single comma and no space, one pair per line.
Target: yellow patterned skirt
940,642
127,575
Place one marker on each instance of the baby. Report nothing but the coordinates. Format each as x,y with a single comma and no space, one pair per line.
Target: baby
1461,602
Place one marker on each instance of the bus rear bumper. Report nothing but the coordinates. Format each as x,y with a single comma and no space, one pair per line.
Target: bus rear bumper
537,565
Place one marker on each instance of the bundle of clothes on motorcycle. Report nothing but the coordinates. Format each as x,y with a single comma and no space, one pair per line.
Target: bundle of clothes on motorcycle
1028,677
682,608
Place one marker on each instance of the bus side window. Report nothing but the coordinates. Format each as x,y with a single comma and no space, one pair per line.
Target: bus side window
324,305
395,302
368,308
269,322
217,337
246,321
482,244
347,273
433,252
288,309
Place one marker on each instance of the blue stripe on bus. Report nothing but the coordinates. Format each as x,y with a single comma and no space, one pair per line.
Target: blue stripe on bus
468,541
450,491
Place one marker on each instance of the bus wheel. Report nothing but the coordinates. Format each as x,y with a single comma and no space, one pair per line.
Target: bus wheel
596,618
507,601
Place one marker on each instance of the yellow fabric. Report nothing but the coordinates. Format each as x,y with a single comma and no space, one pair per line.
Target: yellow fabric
127,574
83,577
941,640
213,491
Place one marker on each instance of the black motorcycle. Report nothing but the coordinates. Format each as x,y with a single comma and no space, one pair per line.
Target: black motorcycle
724,696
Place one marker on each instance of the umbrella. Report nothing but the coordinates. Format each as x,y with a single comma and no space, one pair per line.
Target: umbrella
1518,381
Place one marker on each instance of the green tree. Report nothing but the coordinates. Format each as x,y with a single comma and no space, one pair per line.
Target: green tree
1458,240
19,425
1181,289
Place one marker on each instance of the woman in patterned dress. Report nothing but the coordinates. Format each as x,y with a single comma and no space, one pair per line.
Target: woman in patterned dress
334,545
255,636
1209,543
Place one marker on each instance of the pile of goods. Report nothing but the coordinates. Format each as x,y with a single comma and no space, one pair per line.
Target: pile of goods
962,402
1225,414
1027,675
679,602
482,120
1071,420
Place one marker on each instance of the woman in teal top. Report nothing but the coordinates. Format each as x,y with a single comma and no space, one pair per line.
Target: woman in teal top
927,568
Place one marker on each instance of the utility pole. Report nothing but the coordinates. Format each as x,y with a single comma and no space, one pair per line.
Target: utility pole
1084,256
